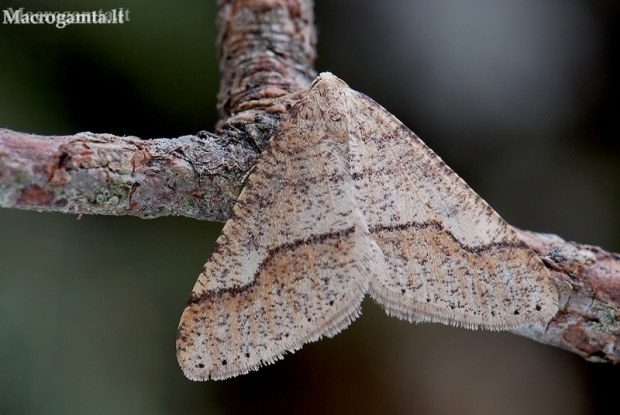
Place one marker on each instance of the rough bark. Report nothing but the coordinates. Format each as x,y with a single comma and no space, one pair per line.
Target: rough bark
266,51
588,281
86,173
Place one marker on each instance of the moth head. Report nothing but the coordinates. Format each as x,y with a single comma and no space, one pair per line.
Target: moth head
328,78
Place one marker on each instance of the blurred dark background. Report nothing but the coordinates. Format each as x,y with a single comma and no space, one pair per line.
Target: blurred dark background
521,98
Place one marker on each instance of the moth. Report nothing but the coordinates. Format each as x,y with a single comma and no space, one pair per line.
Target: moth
346,201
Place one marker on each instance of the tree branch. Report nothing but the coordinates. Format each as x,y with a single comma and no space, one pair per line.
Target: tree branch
86,173
266,51
588,281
